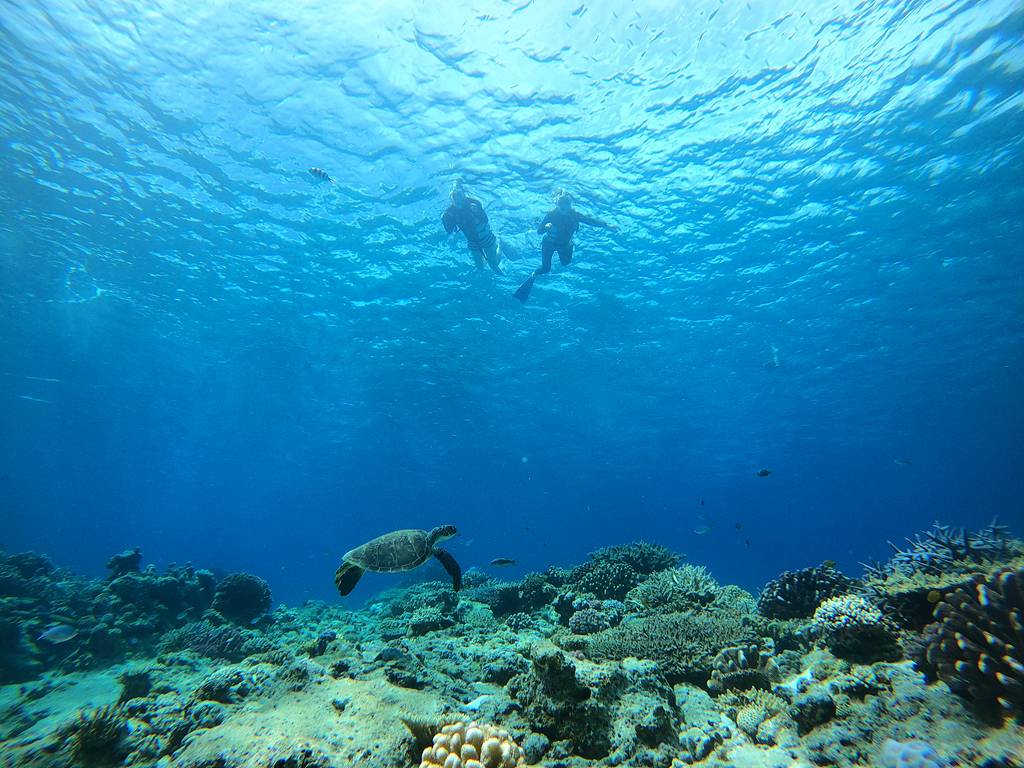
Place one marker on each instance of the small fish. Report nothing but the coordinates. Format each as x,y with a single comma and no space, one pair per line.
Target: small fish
321,174
500,562
763,472
902,462
33,399
748,542
702,502
59,633
700,530
476,703
738,526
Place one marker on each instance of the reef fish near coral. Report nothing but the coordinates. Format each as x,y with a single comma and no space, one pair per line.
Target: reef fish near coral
59,633
500,562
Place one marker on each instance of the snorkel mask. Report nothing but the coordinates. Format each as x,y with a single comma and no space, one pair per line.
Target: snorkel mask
563,201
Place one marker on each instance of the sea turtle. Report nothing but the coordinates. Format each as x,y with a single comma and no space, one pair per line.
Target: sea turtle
397,551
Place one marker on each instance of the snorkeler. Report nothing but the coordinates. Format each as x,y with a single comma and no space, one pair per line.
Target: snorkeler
467,214
558,227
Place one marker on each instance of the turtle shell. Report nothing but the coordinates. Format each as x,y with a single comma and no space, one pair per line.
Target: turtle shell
395,551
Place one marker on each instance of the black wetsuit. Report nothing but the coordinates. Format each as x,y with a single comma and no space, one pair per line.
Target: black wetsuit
559,238
472,220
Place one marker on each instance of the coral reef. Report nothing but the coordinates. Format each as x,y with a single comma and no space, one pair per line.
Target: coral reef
853,628
129,561
691,674
941,548
797,594
938,562
223,641
744,667
683,645
613,571
242,598
472,745
977,647
674,590
612,713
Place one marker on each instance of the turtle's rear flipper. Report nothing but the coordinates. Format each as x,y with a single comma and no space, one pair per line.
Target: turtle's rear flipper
451,566
347,576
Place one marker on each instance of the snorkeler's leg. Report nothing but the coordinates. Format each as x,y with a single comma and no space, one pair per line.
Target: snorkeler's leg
494,257
478,257
547,249
565,255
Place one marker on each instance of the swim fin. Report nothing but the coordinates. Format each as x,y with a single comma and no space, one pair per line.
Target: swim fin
523,291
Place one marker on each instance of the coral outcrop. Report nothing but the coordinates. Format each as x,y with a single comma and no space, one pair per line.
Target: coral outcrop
613,571
977,647
853,628
797,594
242,598
472,745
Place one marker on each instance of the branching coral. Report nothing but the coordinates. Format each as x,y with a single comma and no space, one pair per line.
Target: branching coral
796,594
943,546
978,646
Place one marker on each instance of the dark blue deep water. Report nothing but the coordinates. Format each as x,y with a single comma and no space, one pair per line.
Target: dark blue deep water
209,354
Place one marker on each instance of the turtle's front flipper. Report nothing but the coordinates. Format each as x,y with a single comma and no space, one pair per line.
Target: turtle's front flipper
451,566
347,576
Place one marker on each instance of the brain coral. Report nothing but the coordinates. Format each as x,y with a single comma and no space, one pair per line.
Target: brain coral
473,745
242,598
978,646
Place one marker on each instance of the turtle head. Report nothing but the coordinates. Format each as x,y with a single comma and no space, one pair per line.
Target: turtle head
442,532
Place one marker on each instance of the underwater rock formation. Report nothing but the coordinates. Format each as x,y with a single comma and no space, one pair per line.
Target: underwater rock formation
242,598
797,594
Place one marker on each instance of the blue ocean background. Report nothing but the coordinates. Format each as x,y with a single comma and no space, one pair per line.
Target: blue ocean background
209,354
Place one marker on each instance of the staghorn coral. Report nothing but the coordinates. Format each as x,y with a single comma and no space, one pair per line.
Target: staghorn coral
854,628
744,667
977,648
941,548
472,745
242,598
796,594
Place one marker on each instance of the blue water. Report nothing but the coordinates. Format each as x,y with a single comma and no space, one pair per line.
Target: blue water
206,353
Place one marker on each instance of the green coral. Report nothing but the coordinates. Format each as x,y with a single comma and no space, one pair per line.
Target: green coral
674,590
684,645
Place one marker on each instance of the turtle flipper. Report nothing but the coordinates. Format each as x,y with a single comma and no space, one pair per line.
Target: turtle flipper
446,559
347,576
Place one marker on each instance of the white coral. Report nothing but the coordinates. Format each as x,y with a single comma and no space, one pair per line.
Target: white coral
472,745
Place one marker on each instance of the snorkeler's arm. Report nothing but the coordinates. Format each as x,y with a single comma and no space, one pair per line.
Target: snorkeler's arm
543,226
448,220
596,222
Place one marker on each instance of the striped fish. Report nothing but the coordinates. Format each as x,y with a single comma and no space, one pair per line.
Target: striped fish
321,174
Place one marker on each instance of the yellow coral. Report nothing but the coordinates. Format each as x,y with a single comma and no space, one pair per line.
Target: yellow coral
472,745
